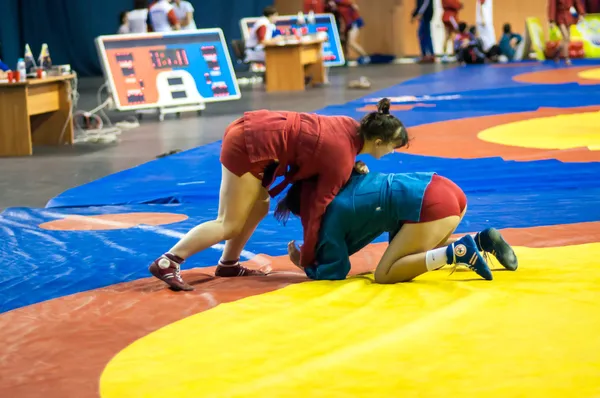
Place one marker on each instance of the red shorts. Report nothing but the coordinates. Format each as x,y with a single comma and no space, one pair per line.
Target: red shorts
565,18
450,20
234,153
442,198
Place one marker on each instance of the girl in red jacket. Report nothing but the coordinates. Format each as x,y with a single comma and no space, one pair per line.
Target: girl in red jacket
559,13
353,23
264,145
450,20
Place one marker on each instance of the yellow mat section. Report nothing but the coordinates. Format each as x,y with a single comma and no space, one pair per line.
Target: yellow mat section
530,333
556,132
592,74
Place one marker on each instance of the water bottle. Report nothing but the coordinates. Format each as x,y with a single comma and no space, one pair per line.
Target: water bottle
311,22
22,69
311,19
300,25
301,20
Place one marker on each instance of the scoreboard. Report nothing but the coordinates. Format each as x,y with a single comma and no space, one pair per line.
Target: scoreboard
287,25
152,70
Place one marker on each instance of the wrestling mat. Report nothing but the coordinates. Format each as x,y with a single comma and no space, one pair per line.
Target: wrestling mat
80,318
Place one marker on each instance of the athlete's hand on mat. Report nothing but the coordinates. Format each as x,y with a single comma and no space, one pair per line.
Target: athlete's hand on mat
361,168
294,253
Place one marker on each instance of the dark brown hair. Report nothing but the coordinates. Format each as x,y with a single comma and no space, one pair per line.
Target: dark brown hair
290,203
140,4
268,11
384,126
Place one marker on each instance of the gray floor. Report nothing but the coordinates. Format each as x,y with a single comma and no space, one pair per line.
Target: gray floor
32,181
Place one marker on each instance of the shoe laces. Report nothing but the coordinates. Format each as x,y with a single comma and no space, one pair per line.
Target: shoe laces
484,254
178,273
489,258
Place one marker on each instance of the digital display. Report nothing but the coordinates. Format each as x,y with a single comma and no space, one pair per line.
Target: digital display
179,94
158,70
287,25
176,81
169,58
135,97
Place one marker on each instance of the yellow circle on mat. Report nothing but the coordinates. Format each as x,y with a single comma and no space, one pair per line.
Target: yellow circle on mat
533,332
555,132
592,74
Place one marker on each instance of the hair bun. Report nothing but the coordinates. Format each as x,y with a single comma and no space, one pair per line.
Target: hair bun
383,106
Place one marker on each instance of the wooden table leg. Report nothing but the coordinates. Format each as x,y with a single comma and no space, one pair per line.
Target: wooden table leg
55,128
15,138
284,69
316,70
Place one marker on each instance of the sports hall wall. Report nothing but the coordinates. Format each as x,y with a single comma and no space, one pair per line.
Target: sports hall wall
70,26
388,29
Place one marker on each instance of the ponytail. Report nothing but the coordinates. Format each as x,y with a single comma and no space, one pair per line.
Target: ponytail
383,106
384,126
290,203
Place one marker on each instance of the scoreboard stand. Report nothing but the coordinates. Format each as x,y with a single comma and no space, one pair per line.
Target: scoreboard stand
323,24
179,109
168,73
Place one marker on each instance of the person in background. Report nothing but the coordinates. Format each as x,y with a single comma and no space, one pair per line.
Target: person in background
450,20
162,17
3,69
353,23
490,54
485,23
466,46
331,8
262,31
184,10
559,14
424,14
592,6
316,6
137,19
124,24
509,42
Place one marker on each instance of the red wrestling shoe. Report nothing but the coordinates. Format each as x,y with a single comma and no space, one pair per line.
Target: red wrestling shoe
168,270
230,271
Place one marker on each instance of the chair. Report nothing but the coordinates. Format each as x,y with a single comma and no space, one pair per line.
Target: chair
257,69
239,49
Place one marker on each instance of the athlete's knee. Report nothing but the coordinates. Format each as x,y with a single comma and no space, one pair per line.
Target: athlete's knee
264,206
382,274
231,229
382,278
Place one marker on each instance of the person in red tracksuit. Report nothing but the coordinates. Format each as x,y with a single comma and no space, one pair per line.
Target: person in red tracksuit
353,23
316,6
450,20
592,6
559,14
263,145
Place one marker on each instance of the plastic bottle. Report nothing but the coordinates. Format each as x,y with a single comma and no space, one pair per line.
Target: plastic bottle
300,25
312,29
22,69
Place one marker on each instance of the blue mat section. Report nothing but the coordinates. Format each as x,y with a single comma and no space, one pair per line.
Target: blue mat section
47,264
41,265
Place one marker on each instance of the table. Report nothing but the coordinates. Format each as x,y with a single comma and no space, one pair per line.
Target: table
288,63
36,112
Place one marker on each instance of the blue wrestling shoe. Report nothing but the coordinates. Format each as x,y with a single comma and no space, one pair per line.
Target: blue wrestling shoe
464,252
491,241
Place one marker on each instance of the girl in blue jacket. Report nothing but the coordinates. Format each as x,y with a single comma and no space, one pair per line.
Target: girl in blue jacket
420,211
